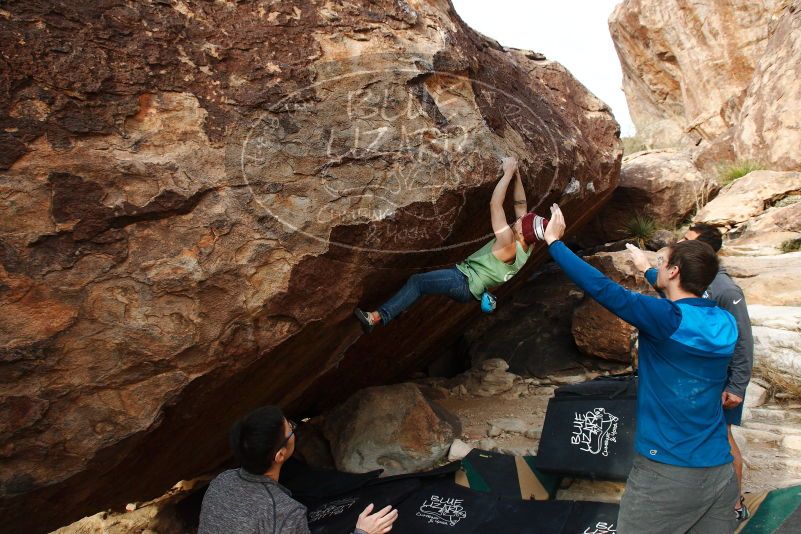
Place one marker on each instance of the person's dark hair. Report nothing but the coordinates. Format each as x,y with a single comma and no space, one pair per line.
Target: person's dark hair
255,438
708,234
697,263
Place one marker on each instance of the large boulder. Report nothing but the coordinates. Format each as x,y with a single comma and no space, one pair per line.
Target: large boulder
771,232
394,428
597,331
720,74
749,197
195,195
777,345
767,126
662,185
687,65
761,212
768,280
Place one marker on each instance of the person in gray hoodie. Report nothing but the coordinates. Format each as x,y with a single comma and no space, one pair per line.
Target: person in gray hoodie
250,500
728,296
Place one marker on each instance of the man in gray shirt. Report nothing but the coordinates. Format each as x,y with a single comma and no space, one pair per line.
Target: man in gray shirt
729,296
250,499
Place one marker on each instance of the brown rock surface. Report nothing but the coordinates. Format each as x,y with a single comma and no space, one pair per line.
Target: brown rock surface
686,65
596,330
195,195
394,428
767,127
721,74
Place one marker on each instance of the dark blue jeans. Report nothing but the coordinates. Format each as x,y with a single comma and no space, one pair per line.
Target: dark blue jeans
449,282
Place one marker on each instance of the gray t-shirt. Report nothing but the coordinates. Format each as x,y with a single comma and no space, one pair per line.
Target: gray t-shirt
729,296
238,501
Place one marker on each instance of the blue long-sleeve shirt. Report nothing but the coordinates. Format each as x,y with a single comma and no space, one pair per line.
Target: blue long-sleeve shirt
684,353
729,296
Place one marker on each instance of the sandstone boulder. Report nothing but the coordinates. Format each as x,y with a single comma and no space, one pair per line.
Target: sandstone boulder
722,75
686,65
598,332
767,280
777,345
769,233
777,357
394,428
492,378
779,317
459,449
755,395
662,185
311,447
196,194
749,197
767,126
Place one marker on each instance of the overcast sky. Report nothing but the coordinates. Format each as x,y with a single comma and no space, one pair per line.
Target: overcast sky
573,32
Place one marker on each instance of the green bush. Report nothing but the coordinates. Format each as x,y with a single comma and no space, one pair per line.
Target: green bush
641,227
729,172
791,245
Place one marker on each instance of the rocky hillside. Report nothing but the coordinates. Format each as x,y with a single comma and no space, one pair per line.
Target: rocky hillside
195,195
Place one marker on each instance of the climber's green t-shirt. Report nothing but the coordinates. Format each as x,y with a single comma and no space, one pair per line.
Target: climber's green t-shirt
484,271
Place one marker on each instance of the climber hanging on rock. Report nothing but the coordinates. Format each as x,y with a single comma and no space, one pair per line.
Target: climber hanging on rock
489,267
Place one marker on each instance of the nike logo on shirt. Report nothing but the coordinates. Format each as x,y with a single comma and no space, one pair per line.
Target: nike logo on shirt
737,301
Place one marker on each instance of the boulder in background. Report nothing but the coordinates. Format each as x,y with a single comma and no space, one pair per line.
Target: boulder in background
394,428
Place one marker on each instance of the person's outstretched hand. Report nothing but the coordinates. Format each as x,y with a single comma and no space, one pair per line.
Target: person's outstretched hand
638,257
509,165
377,523
556,226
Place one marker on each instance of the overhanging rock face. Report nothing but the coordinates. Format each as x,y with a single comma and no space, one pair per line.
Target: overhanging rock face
195,195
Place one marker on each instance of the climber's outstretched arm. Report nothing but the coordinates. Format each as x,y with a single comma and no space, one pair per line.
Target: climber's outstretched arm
500,226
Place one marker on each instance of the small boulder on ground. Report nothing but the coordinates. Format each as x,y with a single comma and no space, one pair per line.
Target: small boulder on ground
755,395
492,378
394,428
459,449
